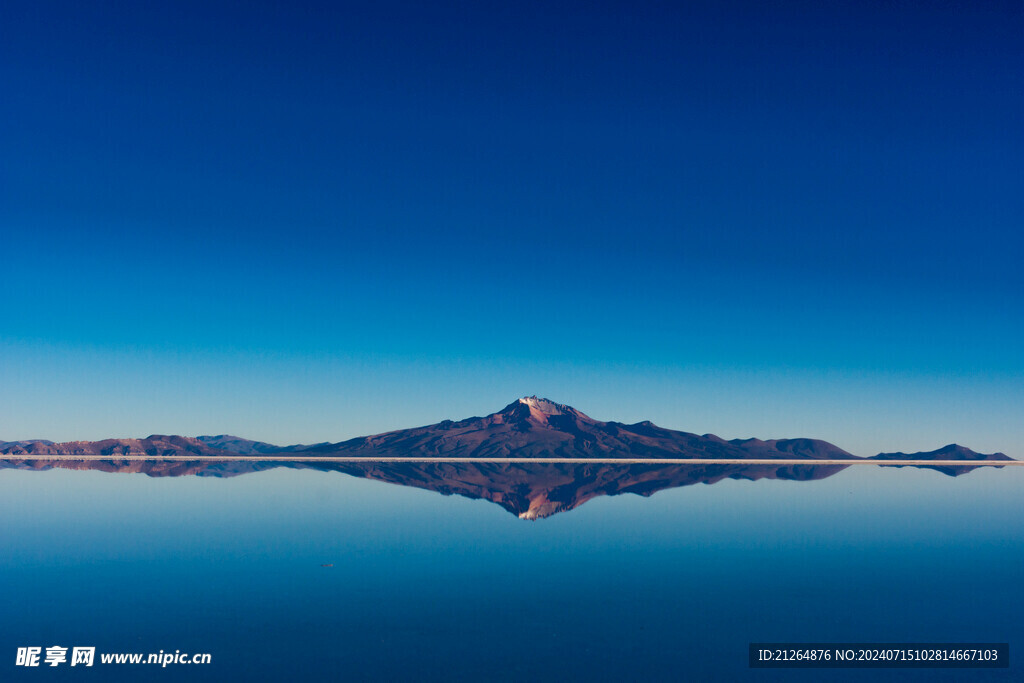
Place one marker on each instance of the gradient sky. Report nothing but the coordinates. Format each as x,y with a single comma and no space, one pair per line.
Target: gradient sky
306,221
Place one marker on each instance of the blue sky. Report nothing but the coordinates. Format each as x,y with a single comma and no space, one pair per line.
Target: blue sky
305,222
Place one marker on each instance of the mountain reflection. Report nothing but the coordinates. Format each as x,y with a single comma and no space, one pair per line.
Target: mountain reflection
527,490
535,491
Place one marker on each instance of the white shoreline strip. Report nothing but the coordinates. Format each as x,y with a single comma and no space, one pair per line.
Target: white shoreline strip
516,461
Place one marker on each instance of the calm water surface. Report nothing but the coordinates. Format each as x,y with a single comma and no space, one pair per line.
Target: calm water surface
431,587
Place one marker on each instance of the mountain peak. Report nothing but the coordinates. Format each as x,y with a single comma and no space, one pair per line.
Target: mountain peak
544,405
540,410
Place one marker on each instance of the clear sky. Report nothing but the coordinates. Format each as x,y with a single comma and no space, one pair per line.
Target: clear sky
300,221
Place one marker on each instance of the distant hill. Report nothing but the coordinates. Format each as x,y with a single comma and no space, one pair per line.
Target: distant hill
950,452
153,445
236,444
25,442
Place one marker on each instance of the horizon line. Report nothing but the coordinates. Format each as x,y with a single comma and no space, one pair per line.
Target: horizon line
556,461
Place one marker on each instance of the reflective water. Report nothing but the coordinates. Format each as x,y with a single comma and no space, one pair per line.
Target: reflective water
431,587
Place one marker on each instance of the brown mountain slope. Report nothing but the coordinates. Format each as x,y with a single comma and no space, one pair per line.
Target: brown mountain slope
533,427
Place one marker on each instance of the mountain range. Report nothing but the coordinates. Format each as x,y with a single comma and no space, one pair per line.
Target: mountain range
529,427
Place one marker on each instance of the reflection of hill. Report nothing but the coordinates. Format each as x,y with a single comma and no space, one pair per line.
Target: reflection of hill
530,491
533,491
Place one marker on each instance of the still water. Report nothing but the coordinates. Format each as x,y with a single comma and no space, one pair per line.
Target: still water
422,586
